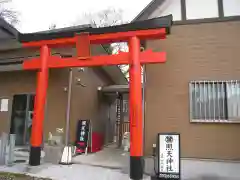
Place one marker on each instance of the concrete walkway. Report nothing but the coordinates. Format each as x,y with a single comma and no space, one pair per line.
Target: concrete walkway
109,157
191,170
72,172
113,164
108,164
210,170
195,169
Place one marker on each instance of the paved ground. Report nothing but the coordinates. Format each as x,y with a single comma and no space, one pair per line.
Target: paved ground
113,164
210,170
73,172
110,164
110,157
191,170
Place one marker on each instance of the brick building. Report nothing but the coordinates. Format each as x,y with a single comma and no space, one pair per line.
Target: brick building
18,89
197,91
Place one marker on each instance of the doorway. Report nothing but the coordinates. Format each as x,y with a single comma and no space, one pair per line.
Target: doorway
21,119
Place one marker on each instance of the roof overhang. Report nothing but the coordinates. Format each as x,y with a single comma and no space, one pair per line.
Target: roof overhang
9,41
146,12
152,6
123,89
15,39
164,22
8,35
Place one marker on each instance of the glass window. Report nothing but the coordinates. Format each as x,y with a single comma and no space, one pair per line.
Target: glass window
199,9
231,7
215,101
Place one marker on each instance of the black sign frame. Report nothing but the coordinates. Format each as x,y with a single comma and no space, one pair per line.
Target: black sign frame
86,136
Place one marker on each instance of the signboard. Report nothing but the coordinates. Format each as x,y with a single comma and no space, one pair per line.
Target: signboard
83,129
4,105
169,156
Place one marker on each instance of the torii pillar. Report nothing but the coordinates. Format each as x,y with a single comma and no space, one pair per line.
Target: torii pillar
135,113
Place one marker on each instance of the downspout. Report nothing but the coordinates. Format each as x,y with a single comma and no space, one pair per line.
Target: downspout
69,96
143,102
143,98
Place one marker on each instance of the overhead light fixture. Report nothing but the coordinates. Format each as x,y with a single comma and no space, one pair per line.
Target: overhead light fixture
65,89
81,69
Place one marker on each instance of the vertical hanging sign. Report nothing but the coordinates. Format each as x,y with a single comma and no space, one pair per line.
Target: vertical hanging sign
169,156
83,129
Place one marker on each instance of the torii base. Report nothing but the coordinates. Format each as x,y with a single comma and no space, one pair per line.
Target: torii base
136,167
35,156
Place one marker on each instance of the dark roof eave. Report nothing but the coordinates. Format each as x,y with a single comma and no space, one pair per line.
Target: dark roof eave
161,22
9,28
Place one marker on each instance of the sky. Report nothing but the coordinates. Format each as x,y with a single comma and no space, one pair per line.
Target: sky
38,15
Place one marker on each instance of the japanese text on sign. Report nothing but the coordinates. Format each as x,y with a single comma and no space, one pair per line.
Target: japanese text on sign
82,132
169,160
83,135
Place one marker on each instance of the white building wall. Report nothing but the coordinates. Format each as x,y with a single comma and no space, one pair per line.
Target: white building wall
169,7
231,7
199,9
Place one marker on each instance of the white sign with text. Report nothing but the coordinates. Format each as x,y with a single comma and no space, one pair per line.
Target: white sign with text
169,156
4,105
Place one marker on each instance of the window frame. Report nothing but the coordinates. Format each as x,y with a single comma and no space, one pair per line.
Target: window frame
228,119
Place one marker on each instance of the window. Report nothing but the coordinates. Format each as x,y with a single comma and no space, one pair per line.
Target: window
215,101
197,9
231,7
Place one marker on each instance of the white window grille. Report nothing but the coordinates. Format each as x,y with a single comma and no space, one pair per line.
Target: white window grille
215,101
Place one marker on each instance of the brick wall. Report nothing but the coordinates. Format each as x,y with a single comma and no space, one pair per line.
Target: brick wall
209,51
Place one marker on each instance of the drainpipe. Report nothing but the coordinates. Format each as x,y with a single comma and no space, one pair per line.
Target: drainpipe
120,99
68,107
143,97
143,106
143,102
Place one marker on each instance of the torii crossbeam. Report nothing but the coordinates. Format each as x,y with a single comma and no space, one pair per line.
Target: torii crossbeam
132,33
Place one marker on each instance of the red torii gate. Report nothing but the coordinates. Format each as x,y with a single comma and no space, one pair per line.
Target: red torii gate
131,33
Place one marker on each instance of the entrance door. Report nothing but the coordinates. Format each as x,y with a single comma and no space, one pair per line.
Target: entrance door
21,120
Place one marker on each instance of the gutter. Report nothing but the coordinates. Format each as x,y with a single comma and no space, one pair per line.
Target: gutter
16,63
7,68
